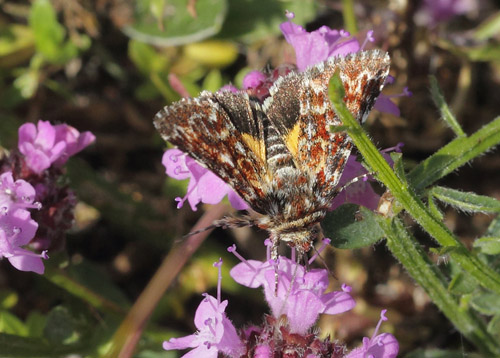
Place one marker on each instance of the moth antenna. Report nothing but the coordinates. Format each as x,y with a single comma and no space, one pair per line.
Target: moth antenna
321,258
350,182
226,222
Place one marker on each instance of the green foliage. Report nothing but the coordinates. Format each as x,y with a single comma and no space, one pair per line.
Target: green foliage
172,23
352,227
50,35
47,61
402,244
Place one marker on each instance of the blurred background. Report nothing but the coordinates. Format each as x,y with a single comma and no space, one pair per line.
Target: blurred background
103,66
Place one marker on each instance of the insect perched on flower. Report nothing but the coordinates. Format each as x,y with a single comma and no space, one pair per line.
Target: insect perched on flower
279,155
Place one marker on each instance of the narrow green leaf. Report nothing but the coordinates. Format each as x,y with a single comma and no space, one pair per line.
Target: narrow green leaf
494,325
466,201
487,303
488,245
8,299
433,208
11,324
446,114
403,245
494,227
36,323
349,16
398,166
213,81
145,57
351,227
489,28
455,154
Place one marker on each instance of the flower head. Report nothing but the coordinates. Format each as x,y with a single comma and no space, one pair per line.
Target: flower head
17,228
204,186
382,345
215,332
44,145
434,12
316,46
297,288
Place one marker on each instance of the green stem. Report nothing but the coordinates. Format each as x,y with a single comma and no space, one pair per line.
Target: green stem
349,16
405,195
418,265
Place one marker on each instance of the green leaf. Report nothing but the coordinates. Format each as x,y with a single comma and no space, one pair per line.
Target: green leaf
433,208
487,303
11,324
13,346
145,57
494,326
489,28
488,245
455,154
398,166
8,299
446,114
16,45
49,34
36,323
27,83
351,227
212,53
177,26
213,81
61,327
462,284
466,201
262,19
494,227
438,353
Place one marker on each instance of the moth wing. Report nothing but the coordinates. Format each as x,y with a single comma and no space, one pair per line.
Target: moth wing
300,109
222,132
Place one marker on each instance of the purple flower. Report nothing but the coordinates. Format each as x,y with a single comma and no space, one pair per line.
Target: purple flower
434,12
204,186
45,144
360,192
297,288
253,79
17,228
215,332
382,345
316,46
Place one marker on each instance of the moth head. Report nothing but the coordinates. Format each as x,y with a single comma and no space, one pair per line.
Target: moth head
301,240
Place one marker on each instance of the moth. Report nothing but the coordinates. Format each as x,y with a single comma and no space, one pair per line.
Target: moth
279,154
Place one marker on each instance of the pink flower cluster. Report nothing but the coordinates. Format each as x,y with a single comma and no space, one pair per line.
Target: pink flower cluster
17,228
45,145
295,307
25,183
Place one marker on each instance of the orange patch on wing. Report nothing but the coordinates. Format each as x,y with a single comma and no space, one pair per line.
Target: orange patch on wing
292,140
256,146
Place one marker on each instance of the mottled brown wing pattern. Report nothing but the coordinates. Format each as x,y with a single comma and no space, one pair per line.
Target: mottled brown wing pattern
221,132
305,128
